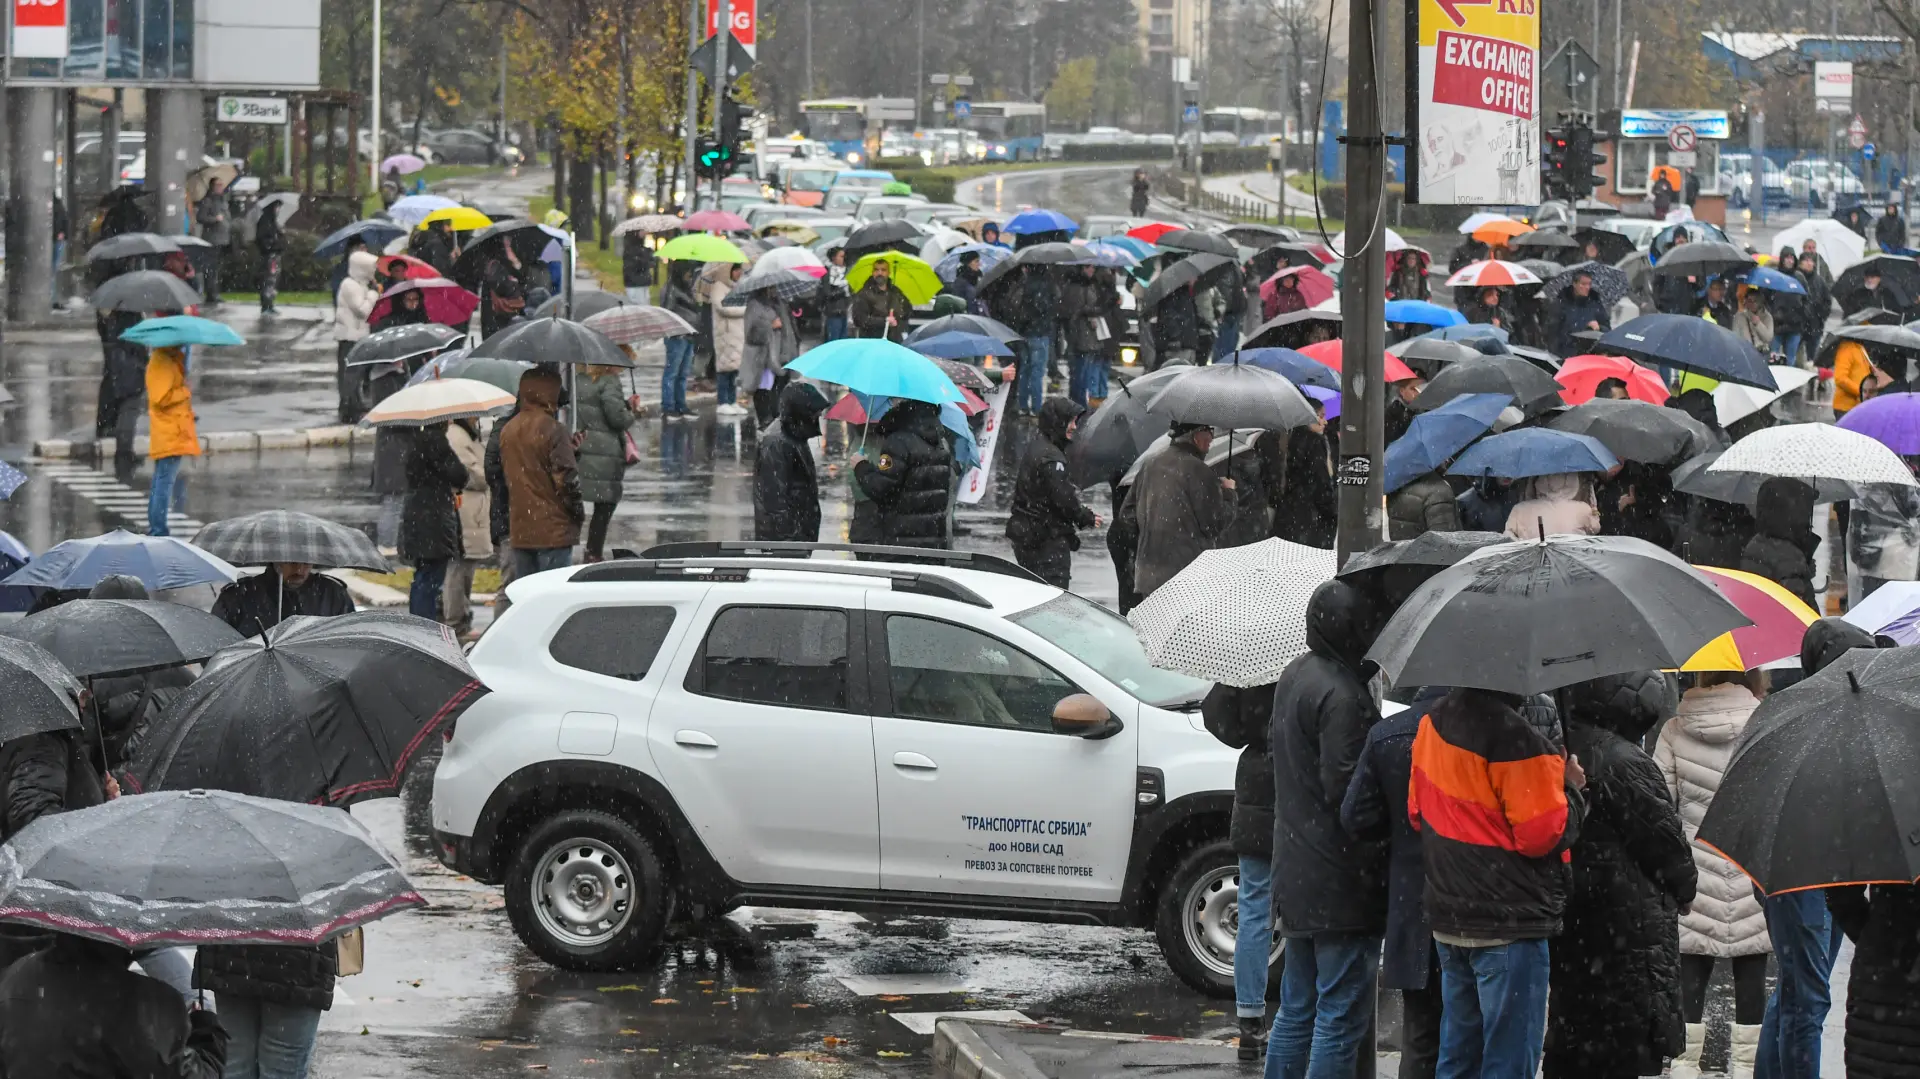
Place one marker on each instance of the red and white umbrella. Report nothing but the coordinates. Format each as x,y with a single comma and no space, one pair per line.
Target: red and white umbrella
446,302
793,258
631,323
1494,273
716,221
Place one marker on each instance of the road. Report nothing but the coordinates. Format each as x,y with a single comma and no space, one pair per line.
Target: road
449,992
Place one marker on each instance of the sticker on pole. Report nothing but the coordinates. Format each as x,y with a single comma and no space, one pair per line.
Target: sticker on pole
40,29
1478,104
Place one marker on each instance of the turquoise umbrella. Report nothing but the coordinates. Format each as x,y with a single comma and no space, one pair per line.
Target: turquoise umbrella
877,366
182,330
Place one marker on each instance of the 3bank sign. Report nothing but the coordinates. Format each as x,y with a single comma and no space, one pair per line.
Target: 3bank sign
252,110
1477,131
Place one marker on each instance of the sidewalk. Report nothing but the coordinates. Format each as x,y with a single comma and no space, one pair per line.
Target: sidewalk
1264,186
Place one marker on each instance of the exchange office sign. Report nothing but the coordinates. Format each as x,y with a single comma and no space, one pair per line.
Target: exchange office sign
1476,103
251,110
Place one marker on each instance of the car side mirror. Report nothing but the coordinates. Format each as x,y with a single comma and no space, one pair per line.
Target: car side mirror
1083,716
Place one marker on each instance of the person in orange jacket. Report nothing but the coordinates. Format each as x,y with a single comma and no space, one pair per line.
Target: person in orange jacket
171,435
1853,371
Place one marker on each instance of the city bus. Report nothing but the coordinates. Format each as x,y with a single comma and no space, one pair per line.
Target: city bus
1010,130
850,127
1248,126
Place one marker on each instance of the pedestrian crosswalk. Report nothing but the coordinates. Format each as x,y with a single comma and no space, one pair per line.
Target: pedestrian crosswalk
116,499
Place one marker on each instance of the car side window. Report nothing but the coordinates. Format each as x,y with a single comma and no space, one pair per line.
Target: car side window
792,657
619,642
950,674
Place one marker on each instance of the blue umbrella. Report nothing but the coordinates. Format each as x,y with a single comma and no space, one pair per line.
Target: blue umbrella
878,366
1038,220
377,234
990,256
1467,331
1422,313
10,480
1112,256
13,555
954,345
1298,369
1329,400
1533,451
182,330
1774,281
1434,437
159,562
966,449
1133,245
1691,344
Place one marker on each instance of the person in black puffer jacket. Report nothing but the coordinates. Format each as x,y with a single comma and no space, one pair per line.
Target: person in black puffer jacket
1783,543
910,482
1046,507
270,998
1614,1008
429,519
1883,992
786,491
1239,718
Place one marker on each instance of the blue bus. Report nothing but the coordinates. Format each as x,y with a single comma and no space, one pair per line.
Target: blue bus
839,122
1011,130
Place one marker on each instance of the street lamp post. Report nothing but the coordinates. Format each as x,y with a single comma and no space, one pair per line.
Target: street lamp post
373,157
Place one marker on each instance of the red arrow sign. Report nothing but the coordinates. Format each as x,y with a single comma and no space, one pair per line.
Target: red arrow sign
1451,8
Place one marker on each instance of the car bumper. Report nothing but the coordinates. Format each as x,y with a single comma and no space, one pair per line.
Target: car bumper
455,852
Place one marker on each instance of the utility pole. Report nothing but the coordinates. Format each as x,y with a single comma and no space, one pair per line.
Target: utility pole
627,164
1363,356
503,91
373,157
722,46
920,64
1617,6
697,12
1593,92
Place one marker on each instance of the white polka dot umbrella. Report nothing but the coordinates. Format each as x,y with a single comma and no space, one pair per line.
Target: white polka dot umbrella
1815,451
1236,615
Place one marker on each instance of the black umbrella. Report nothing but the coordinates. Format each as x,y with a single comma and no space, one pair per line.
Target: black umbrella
131,245
270,536
1897,272
1703,259
964,375
585,304
284,205
1393,570
1894,337
1637,430
979,324
1233,395
396,343
891,235
200,867
1260,237
1539,357
1609,282
1531,388
1694,344
41,694
1299,254
1114,435
1825,785
1429,355
145,290
553,340
1040,254
1194,240
1196,270
1290,330
1879,316
1544,240
1613,246
529,242
98,638
1540,614
1693,477
323,710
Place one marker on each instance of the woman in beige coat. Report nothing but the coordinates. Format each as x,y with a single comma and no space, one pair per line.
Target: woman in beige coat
476,542
1560,503
729,335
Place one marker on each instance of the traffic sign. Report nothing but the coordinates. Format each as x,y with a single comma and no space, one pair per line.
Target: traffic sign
1190,114
962,108
1681,138
739,60
1857,133
745,19
1868,151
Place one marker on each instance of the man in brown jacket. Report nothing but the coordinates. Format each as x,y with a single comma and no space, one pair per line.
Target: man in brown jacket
544,510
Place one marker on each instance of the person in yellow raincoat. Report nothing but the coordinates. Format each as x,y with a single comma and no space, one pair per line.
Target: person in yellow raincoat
1853,369
171,435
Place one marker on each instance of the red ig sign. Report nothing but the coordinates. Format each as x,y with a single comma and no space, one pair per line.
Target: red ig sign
40,29
744,18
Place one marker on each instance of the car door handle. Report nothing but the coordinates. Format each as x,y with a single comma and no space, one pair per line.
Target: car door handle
695,740
915,762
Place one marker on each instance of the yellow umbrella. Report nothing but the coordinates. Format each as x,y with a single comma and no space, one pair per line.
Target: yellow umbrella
1499,232
464,218
913,277
1779,617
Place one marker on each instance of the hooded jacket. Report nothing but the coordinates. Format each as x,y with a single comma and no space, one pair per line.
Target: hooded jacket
786,487
1046,505
1883,990
1182,510
766,347
1615,976
1693,753
170,423
1322,711
1425,505
75,1009
354,303
911,480
1556,504
1242,718
1496,818
604,421
536,459
429,519
1783,543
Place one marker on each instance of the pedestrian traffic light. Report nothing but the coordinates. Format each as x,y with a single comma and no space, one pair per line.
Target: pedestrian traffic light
711,157
1554,164
734,115
1583,162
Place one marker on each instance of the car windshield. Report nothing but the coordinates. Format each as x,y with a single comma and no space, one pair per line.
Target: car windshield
830,232
845,198
810,179
1104,641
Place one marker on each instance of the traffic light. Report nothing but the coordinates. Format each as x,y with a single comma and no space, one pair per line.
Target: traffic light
1583,162
1554,164
711,157
734,115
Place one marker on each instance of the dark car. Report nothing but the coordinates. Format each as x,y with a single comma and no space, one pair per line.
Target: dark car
461,147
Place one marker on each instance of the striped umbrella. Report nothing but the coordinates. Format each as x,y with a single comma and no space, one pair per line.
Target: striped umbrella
1780,620
1493,273
783,285
630,324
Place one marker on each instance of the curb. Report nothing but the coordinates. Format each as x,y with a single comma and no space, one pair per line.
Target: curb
980,1049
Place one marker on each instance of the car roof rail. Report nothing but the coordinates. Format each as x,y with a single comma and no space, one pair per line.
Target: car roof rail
735,570
984,563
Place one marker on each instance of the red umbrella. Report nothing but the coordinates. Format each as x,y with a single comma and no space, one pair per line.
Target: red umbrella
1311,283
447,303
404,267
848,410
1582,375
1328,353
716,221
1152,233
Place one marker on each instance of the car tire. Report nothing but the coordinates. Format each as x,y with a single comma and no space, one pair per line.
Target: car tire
1196,917
587,891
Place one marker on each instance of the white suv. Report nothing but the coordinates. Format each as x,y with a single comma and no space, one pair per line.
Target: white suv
716,724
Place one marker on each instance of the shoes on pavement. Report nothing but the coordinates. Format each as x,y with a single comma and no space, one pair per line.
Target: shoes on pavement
1253,1037
1687,1064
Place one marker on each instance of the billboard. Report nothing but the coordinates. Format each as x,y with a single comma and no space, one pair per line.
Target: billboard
1476,102
40,29
745,19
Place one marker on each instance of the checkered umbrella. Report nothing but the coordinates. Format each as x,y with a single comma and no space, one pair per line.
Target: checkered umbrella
290,536
1236,615
648,224
785,286
630,324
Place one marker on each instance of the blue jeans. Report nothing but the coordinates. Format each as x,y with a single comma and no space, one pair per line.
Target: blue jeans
528,561
836,327
723,386
1494,1021
1253,941
266,1040
166,481
1226,337
673,381
1788,345
1326,1000
1805,941
1032,386
423,599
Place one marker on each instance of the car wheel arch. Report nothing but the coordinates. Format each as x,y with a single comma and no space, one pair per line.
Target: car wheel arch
1162,838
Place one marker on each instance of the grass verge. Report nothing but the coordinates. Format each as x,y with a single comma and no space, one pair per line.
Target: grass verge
485,579
252,299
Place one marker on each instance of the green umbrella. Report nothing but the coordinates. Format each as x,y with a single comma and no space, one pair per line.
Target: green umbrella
701,247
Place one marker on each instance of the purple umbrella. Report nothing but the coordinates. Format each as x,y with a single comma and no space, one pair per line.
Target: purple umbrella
404,164
1891,419
1329,399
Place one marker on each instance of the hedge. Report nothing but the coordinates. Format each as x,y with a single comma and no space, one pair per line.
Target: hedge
299,270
